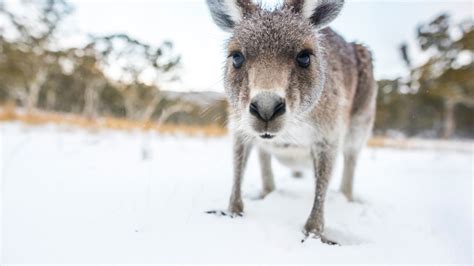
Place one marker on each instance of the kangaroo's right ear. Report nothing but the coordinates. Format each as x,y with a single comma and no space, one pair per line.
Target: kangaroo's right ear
228,13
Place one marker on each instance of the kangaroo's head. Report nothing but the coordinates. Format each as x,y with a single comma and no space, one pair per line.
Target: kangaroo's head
274,71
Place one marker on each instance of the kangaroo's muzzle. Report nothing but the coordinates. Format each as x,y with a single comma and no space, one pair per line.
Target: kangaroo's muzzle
267,106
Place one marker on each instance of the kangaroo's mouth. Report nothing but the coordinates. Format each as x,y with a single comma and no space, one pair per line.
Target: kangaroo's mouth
267,136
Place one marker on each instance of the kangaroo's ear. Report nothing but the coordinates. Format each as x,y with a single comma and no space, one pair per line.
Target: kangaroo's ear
228,13
319,12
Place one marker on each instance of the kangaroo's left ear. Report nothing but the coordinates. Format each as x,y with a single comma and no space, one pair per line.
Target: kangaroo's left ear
319,12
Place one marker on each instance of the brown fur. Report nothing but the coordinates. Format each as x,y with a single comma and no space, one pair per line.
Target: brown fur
329,104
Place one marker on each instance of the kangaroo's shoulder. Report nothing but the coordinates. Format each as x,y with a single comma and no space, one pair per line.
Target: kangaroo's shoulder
337,48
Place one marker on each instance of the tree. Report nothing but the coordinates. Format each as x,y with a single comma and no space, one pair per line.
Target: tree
115,74
29,58
88,75
137,69
448,74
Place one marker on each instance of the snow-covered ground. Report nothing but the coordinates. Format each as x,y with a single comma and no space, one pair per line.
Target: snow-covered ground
72,196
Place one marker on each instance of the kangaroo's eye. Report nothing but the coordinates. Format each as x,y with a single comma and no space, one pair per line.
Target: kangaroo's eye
238,59
303,59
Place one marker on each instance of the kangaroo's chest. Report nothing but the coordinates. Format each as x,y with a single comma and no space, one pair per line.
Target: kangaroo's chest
292,148
294,156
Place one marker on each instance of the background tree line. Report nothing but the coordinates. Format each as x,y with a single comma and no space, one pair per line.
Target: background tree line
437,98
114,75
119,76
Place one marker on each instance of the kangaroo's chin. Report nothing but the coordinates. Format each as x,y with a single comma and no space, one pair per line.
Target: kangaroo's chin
266,130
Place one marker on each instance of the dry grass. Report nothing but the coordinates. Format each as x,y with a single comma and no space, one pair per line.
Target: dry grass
422,144
10,113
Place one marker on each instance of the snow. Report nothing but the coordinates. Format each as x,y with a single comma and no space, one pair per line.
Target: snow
73,196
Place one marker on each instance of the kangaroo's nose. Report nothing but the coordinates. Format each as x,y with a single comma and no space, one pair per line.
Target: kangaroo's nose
267,106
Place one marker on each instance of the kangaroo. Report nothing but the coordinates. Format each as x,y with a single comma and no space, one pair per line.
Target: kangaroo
297,91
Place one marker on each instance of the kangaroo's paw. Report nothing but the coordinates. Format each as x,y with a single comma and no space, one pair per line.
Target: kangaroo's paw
221,213
347,194
321,237
260,195
266,191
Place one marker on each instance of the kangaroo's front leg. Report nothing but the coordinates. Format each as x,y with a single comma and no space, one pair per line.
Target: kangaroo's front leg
268,185
323,156
241,153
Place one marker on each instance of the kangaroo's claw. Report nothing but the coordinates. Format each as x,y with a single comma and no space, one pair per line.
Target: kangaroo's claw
225,213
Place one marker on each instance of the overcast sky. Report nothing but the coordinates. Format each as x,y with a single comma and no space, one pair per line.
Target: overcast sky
382,25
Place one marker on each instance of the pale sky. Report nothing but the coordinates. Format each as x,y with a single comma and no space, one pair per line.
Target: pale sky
382,25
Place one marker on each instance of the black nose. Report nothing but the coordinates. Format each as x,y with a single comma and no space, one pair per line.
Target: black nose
267,106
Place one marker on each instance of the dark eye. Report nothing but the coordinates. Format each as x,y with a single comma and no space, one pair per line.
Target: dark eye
304,59
238,59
